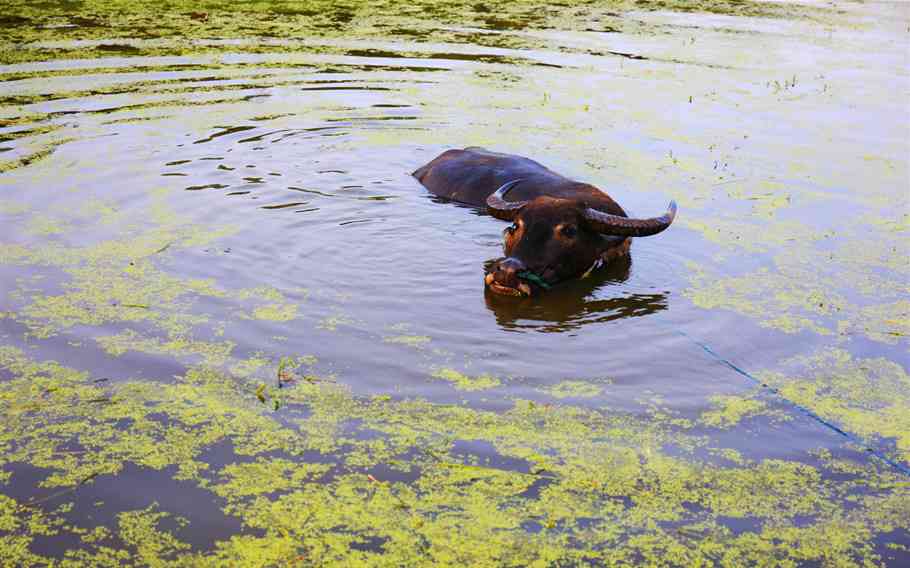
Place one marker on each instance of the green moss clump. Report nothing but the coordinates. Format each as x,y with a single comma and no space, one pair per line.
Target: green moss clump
573,389
869,397
466,382
314,483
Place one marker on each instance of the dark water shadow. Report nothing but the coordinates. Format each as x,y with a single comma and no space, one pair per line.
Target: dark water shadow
107,496
570,305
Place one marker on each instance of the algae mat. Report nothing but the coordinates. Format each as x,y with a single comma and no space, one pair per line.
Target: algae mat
235,332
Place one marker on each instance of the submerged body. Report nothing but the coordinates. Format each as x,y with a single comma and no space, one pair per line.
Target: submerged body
561,228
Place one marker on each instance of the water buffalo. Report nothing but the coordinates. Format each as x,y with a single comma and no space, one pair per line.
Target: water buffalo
561,229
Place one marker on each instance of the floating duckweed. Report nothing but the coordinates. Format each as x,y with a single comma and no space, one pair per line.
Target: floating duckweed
730,410
409,340
465,382
212,353
140,530
586,485
266,475
775,300
9,207
891,224
38,153
265,293
98,210
331,323
868,397
888,323
250,366
741,235
573,389
113,281
44,225
101,295
812,287
276,312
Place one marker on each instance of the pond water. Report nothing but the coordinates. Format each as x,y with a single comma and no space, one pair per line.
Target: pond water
234,330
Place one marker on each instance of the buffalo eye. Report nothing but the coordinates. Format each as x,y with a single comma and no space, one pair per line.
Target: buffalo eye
512,228
569,231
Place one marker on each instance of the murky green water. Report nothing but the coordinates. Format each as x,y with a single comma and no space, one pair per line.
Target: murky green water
235,331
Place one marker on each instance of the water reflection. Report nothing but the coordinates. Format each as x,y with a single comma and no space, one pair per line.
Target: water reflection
570,305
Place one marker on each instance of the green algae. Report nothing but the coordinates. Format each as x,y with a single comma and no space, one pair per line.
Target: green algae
331,323
101,293
869,397
10,207
265,475
573,389
887,323
107,25
275,312
43,225
176,345
466,382
409,340
752,237
36,154
611,493
123,281
730,410
251,366
100,210
841,280
799,299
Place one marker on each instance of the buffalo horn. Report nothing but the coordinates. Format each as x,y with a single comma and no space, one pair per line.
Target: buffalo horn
498,207
623,226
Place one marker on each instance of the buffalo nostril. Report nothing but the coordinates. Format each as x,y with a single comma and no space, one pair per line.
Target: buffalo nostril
506,271
510,265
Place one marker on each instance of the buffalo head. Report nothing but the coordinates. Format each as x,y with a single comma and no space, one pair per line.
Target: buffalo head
552,239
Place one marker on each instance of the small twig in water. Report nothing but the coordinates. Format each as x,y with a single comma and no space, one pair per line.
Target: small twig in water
90,477
729,181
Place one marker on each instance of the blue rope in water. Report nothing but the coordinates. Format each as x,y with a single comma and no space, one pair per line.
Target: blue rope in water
851,437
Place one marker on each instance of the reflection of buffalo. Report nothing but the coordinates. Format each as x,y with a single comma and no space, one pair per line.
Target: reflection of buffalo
560,230
575,304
